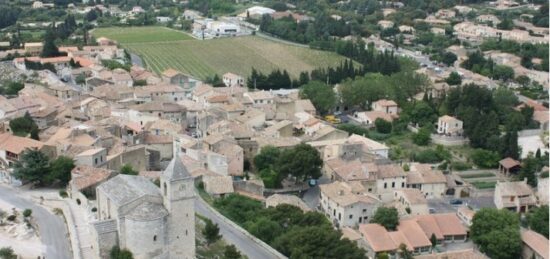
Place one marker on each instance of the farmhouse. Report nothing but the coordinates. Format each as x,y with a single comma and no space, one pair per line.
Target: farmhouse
514,196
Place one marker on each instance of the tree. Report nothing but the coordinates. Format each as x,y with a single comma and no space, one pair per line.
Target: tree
454,79
60,169
321,95
231,252
211,232
128,169
537,219
33,166
265,229
423,137
387,217
433,240
117,253
49,49
22,126
496,232
404,252
528,169
303,162
267,158
7,253
382,126
485,158
448,58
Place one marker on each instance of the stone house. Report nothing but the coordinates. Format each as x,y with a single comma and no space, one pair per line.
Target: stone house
412,200
347,204
514,196
432,183
96,157
150,222
386,106
450,126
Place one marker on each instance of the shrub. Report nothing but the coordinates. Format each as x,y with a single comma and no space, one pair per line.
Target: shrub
408,210
27,213
427,156
423,137
383,126
460,166
63,194
485,158
12,217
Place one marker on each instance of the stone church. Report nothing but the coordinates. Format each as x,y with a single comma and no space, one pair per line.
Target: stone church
152,223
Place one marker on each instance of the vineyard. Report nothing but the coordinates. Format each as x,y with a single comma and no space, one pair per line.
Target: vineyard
218,56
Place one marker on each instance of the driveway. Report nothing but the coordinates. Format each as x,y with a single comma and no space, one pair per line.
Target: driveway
312,195
52,229
233,236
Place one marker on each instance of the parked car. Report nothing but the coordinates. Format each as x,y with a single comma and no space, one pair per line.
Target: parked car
456,202
431,210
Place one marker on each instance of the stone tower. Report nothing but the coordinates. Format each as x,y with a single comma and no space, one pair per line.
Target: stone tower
179,199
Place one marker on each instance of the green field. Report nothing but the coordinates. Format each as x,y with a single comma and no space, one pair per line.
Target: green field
484,185
162,50
477,175
141,34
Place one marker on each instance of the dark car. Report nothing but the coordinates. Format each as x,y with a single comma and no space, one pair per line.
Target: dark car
456,202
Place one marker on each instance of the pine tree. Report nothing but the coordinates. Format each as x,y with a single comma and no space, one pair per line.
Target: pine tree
50,49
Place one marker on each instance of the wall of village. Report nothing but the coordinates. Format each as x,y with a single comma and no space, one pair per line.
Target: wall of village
145,238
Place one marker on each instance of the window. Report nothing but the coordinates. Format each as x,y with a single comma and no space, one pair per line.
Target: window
385,185
364,210
392,184
339,216
350,216
154,238
403,185
165,187
95,160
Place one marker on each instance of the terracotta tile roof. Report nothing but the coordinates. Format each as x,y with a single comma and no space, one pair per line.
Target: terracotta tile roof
377,237
535,241
509,162
413,195
350,234
16,145
519,188
462,254
390,171
448,119
84,176
385,102
424,174
541,116
170,72
158,139
347,193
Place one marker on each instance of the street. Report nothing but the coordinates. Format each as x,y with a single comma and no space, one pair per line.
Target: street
233,236
443,205
52,229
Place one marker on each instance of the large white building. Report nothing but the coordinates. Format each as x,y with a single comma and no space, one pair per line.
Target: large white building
347,204
150,222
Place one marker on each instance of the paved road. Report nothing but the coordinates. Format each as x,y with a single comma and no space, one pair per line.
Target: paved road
52,229
233,236
443,205
311,196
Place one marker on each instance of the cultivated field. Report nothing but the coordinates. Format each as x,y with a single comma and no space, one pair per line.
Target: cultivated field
205,58
140,34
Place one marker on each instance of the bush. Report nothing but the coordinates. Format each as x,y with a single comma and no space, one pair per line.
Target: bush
11,217
63,194
423,137
7,253
460,166
383,126
485,158
27,213
427,156
408,210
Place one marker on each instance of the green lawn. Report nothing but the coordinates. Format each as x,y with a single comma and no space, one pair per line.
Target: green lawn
163,48
484,185
146,34
477,175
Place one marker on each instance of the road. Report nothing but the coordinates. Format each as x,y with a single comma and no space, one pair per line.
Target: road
312,195
233,236
443,205
52,229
